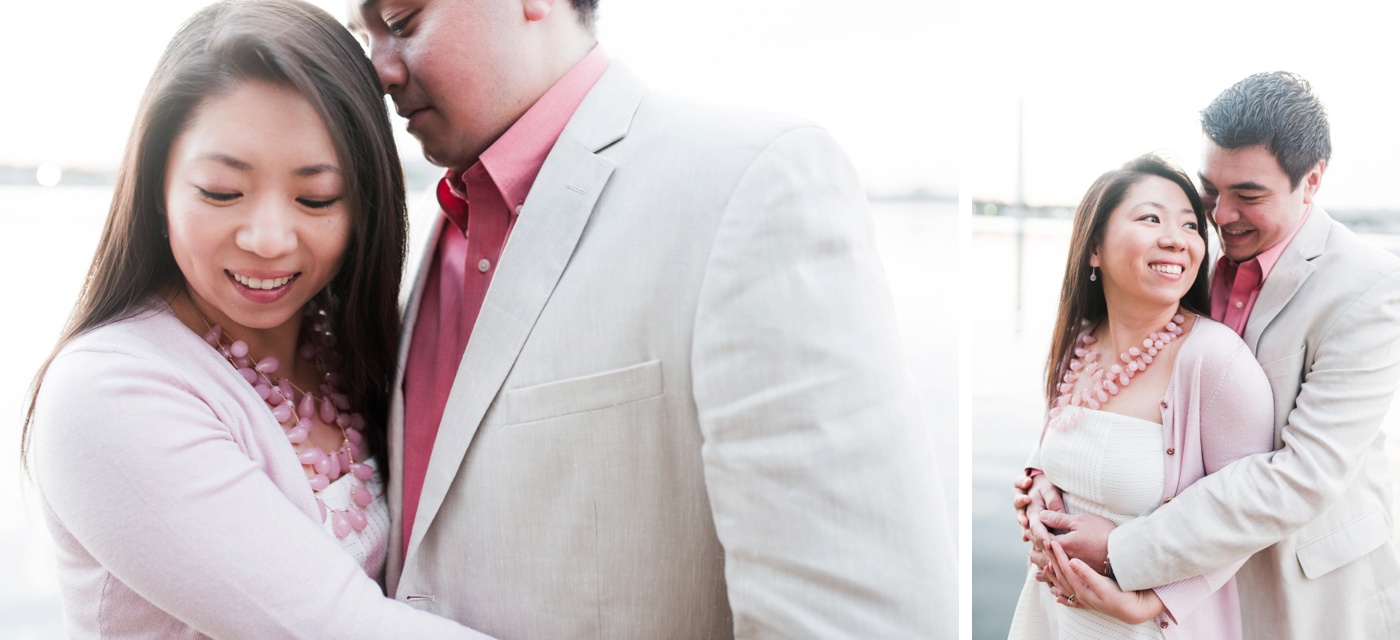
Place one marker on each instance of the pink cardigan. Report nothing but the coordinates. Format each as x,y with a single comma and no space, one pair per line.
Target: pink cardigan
177,506
1218,408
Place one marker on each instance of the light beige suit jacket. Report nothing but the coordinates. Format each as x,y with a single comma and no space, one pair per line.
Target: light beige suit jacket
683,411
1326,329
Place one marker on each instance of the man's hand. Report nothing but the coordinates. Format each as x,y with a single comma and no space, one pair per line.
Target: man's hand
1085,536
1030,497
1076,585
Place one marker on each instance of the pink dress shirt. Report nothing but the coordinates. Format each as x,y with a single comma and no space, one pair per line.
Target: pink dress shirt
1235,286
493,190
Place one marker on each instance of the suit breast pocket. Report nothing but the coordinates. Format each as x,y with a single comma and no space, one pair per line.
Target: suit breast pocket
1280,367
584,393
1344,545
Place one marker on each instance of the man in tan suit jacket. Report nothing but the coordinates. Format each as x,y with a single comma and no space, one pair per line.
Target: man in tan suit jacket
682,411
1325,325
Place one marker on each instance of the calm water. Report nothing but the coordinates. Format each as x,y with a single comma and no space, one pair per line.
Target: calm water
1006,350
47,237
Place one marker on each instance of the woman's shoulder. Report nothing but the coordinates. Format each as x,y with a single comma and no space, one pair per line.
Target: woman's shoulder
113,386
123,355
148,333
1209,337
1215,349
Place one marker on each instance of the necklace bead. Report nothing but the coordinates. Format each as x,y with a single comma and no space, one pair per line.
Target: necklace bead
1101,387
295,409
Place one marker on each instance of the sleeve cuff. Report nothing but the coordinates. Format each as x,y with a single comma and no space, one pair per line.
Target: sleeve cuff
1180,598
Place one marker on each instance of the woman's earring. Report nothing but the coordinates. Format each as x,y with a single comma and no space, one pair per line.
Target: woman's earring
1093,274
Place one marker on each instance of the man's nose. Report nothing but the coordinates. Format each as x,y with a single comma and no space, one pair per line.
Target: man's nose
1224,212
387,63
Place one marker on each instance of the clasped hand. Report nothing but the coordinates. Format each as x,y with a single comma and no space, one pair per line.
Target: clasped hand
1068,551
1041,513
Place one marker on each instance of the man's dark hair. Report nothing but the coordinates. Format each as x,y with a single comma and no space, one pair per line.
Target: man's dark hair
1278,111
587,11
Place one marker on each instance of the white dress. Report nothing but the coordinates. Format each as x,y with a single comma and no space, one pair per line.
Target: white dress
1109,465
370,546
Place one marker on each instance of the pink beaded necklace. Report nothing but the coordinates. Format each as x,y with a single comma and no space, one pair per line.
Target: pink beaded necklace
294,409
1105,383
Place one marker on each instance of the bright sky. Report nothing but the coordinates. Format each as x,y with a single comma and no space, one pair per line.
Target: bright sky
878,73
1103,82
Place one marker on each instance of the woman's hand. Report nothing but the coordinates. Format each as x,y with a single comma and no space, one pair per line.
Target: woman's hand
1076,585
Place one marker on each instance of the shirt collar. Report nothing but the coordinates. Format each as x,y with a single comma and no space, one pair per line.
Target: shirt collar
513,162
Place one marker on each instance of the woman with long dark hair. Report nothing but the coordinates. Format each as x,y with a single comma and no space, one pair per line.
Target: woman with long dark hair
1145,395
208,435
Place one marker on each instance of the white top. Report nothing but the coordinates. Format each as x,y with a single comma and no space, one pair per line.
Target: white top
369,546
1108,465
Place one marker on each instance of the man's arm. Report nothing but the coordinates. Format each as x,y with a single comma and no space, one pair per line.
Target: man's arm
817,465
1261,499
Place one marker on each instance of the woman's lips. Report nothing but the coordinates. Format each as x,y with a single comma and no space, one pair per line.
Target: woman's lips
270,288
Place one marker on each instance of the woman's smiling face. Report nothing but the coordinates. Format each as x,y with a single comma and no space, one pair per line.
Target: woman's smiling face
1152,246
254,206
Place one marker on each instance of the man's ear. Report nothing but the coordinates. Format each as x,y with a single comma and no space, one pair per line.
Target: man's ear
537,10
1312,181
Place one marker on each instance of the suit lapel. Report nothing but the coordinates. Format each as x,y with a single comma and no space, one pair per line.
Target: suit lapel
540,246
1293,268
395,489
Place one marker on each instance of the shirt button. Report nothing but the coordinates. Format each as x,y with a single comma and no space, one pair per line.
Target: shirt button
484,265
1171,451
1239,304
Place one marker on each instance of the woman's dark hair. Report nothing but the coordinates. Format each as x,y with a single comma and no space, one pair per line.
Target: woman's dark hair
1081,300
291,44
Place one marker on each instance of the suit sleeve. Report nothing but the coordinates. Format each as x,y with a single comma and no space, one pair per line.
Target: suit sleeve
138,469
1262,499
1236,420
817,464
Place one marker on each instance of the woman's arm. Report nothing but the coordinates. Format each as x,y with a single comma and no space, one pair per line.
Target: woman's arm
140,471
1236,420
1092,590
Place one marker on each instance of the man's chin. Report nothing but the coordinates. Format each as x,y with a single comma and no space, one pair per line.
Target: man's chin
1241,255
446,158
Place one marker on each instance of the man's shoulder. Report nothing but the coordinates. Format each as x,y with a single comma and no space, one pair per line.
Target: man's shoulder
679,119
1352,281
1345,251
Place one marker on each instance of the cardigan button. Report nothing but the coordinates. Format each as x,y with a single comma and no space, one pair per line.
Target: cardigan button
1164,404
1166,499
1164,625
1171,451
